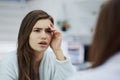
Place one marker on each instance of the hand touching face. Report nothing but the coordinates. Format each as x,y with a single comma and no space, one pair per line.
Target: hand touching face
56,43
56,38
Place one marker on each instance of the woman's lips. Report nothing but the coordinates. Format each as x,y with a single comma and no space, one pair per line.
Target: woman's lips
43,43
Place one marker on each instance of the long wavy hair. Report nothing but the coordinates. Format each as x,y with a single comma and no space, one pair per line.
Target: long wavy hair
106,41
24,51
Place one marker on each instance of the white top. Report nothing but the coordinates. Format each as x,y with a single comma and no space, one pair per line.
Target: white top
110,70
50,68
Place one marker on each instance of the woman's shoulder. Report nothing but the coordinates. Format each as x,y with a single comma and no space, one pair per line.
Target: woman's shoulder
8,58
49,53
109,71
8,66
90,75
114,59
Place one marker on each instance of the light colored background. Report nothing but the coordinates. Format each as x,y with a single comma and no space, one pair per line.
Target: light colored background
81,15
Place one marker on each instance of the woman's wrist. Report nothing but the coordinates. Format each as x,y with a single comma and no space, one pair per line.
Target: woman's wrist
59,54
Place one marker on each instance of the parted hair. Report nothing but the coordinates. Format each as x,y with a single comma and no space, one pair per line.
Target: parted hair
24,51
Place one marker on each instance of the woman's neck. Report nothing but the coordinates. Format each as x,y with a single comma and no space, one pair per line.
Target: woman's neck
37,57
36,63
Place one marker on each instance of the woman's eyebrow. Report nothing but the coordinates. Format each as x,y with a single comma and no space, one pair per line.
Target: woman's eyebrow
40,28
47,28
37,28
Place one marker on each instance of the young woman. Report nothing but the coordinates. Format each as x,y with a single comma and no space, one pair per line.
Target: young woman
105,49
32,61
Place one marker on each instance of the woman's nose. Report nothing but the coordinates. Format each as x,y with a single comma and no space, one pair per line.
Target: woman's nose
43,35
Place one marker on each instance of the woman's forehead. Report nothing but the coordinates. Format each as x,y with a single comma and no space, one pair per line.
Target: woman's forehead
43,23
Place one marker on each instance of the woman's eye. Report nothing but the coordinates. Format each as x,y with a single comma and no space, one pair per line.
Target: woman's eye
36,30
48,31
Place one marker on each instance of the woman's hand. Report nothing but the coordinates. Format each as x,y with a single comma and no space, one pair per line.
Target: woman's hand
56,38
56,43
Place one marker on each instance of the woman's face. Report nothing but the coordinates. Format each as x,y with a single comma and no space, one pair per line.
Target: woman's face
40,36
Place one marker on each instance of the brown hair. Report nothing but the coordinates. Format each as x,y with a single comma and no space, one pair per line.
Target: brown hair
106,41
24,51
